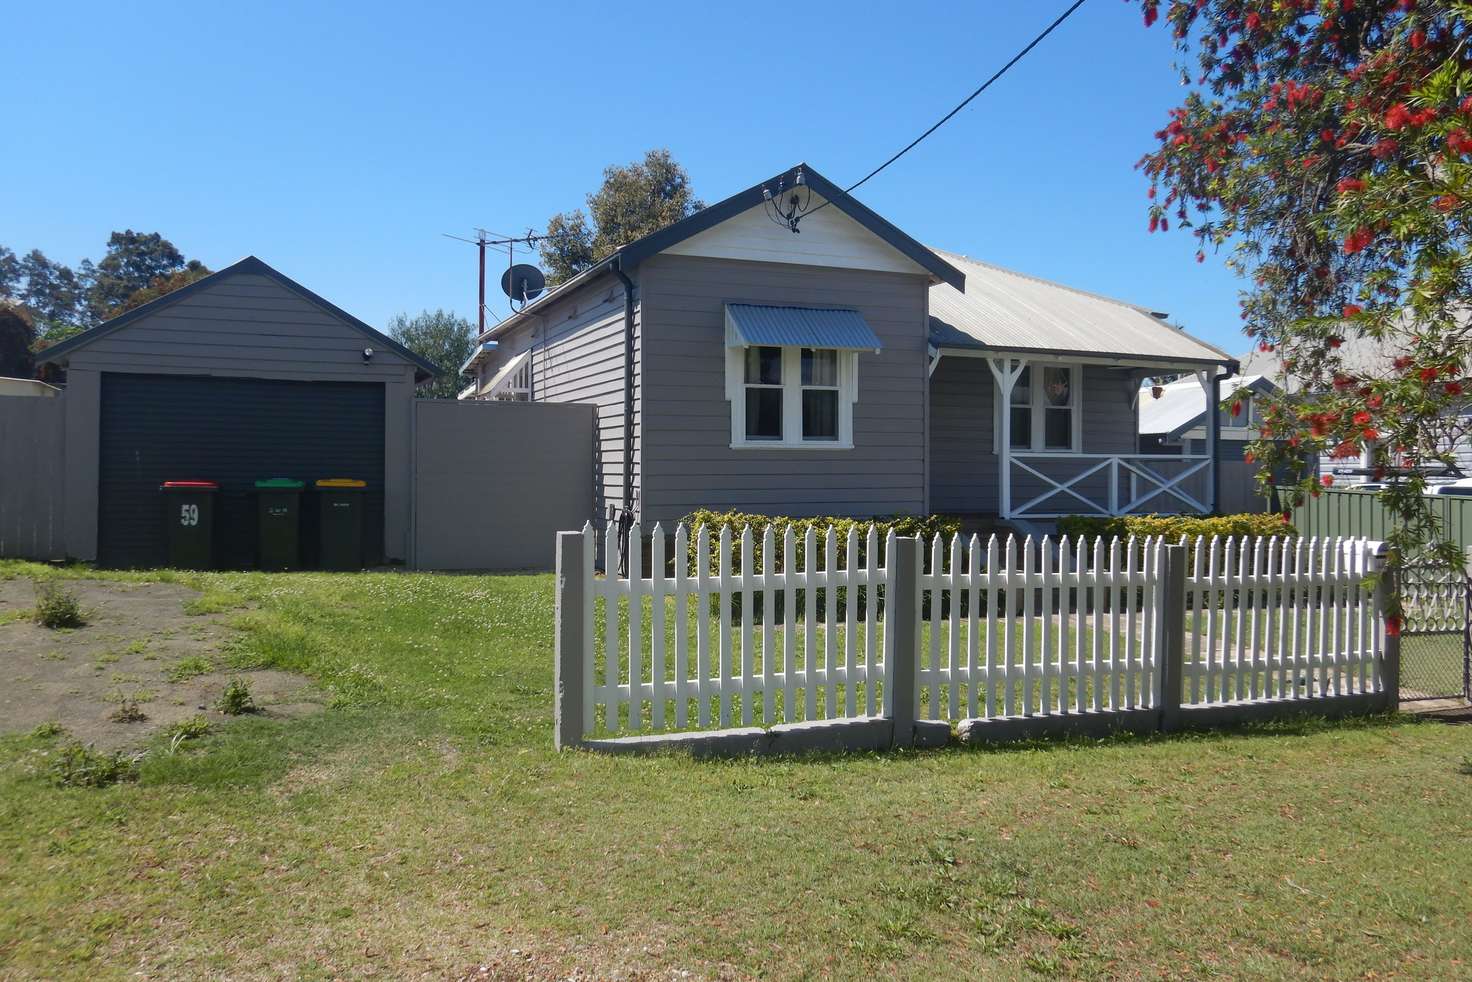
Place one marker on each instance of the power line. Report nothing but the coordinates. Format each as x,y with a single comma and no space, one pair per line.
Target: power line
967,101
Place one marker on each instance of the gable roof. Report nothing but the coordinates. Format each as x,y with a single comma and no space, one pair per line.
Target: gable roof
424,369
1007,311
627,256
1182,404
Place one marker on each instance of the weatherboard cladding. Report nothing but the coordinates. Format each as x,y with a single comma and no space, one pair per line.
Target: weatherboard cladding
1010,311
812,327
236,280
244,325
687,459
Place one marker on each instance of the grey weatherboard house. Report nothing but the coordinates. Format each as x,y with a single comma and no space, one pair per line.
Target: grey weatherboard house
843,368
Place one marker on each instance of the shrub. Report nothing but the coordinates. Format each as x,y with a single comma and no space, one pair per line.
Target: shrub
56,607
902,525
128,711
77,765
1174,526
189,667
236,700
48,730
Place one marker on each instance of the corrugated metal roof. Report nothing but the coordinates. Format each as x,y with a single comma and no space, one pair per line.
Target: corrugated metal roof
1182,403
809,327
1010,311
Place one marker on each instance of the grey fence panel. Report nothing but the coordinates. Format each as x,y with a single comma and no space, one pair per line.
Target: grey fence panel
495,481
32,473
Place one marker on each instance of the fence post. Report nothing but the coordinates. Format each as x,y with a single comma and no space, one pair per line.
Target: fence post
572,592
1387,595
902,593
1171,641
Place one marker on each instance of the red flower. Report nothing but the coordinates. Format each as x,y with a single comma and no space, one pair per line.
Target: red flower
1370,433
1446,202
1348,184
1392,625
1454,388
1249,457
1237,409
1398,117
1264,346
1428,374
1403,362
1327,480
1418,39
1154,222
1362,419
1352,310
1357,240
1253,22
1345,449
1335,340
1375,401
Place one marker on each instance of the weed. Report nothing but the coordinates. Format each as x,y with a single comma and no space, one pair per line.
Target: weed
137,647
236,700
48,730
190,667
1466,766
53,656
128,711
77,765
190,728
57,607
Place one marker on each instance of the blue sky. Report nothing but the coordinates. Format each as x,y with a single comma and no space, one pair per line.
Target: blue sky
338,141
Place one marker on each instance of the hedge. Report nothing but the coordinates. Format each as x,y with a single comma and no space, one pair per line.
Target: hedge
1253,525
901,525
736,521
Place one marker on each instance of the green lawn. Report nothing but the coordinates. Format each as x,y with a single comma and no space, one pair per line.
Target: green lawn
423,825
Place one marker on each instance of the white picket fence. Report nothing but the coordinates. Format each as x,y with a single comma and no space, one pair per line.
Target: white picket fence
1280,619
1004,629
1023,629
673,649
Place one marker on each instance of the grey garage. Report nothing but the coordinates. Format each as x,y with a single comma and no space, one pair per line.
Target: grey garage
244,375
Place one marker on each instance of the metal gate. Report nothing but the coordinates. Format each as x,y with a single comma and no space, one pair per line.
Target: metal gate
1436,638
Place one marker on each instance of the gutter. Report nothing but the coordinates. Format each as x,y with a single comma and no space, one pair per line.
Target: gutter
616,266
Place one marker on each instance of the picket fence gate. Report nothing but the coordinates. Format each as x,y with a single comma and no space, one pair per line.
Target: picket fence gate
816,628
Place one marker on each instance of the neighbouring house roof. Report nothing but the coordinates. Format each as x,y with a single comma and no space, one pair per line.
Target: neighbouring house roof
27,387
424,369
998,309
752,324
1182,404
626,257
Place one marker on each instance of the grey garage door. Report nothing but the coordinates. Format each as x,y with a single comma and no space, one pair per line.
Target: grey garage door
156,428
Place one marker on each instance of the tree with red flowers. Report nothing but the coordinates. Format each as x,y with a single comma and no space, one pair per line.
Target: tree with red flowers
1323,146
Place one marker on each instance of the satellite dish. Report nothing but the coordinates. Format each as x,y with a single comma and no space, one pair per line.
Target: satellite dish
523,282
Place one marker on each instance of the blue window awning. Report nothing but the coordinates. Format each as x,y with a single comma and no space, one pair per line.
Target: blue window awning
807,327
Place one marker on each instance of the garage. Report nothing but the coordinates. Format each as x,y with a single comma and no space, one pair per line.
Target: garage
157,428
240,376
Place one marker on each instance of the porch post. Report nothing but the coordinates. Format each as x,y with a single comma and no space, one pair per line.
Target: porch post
1006,379
1211,384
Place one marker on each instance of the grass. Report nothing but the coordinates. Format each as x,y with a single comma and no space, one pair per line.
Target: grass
424,826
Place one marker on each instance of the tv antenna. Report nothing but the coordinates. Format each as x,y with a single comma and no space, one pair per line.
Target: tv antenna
522,282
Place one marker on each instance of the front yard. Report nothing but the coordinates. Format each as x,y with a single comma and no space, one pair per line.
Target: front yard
419,823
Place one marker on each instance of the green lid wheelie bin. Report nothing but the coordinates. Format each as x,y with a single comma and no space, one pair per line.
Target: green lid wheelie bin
189,523
278,523
340,522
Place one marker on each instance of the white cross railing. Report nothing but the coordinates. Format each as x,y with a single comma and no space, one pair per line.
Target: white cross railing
1064,495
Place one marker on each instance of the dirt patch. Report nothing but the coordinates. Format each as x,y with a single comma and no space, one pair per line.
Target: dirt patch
140,645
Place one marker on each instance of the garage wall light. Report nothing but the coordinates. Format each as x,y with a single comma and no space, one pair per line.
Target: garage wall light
367,354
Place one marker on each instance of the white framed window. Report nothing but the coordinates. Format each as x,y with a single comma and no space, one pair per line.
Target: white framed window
1045,413
791,397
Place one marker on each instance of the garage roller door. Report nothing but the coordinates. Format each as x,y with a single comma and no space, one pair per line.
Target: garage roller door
233,431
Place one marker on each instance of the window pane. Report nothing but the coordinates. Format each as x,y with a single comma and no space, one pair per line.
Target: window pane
764,414
1058,386
1021,427
1058,429
763,366
819,367
819,414
1022,391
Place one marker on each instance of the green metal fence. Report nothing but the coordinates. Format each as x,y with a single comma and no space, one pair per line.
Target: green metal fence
1355,514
